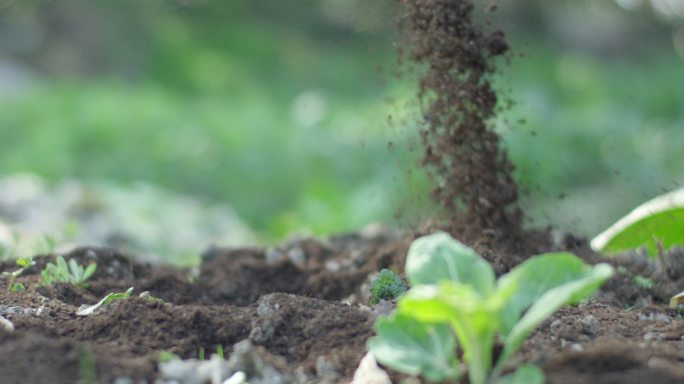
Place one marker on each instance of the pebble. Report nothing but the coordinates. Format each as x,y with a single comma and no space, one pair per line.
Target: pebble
6,324
369,372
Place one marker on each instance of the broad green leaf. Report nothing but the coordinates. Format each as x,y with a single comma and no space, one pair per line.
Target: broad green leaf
474,319
533,278
549,303
414,347
438,257
525,374
658,220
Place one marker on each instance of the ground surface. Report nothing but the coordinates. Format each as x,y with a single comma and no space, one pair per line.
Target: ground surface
300,313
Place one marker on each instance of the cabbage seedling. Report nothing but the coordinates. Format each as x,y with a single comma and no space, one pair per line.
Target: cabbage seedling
455,299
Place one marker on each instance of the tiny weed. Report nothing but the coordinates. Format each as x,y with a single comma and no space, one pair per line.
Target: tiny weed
219,351
23,263
86,310
643,282
386,286
86,366
166,356
17,287
71,273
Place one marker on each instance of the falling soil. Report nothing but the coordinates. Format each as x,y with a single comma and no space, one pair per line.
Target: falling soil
472,173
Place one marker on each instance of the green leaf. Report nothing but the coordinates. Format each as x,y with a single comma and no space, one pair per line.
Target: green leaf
89,271
550,302
533,278
24,262
414,347
87,310
658,220
438,257
474,319
525,374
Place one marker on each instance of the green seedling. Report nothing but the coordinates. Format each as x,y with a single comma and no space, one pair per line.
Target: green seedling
24,263
386,286
219,351
148,296
643,282
455,301
86,310
654,224
17,287
166,356
71,273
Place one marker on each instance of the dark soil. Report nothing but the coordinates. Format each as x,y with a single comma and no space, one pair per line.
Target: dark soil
305,305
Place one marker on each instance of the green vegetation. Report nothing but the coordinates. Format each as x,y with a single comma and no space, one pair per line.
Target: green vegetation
656,225
23,263
71,273
166,356
454,292
87,310
386,286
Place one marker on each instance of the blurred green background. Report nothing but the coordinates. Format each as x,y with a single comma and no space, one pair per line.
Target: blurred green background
291,113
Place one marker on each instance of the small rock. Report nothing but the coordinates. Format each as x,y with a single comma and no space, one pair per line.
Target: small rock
590,325
16,311
554,327
258,364
326,370
654,336
9,327
369,372
654,316
297,256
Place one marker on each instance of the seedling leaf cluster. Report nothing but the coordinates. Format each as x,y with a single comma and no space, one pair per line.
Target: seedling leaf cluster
386,286
456,301
71,273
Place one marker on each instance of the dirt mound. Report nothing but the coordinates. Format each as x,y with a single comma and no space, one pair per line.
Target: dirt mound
313,331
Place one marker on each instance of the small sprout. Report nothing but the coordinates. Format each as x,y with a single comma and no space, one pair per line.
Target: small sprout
219,351
147,296
386,286
643,282
86,310
166,356
86,366
200,354
71,273
23,263
17,287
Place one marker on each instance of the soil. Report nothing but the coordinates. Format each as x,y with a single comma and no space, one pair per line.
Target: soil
472,174
304,305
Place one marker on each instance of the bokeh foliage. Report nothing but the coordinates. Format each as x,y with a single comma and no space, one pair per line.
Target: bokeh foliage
281,108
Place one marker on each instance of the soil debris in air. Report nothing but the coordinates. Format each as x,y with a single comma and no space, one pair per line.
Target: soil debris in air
472,173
